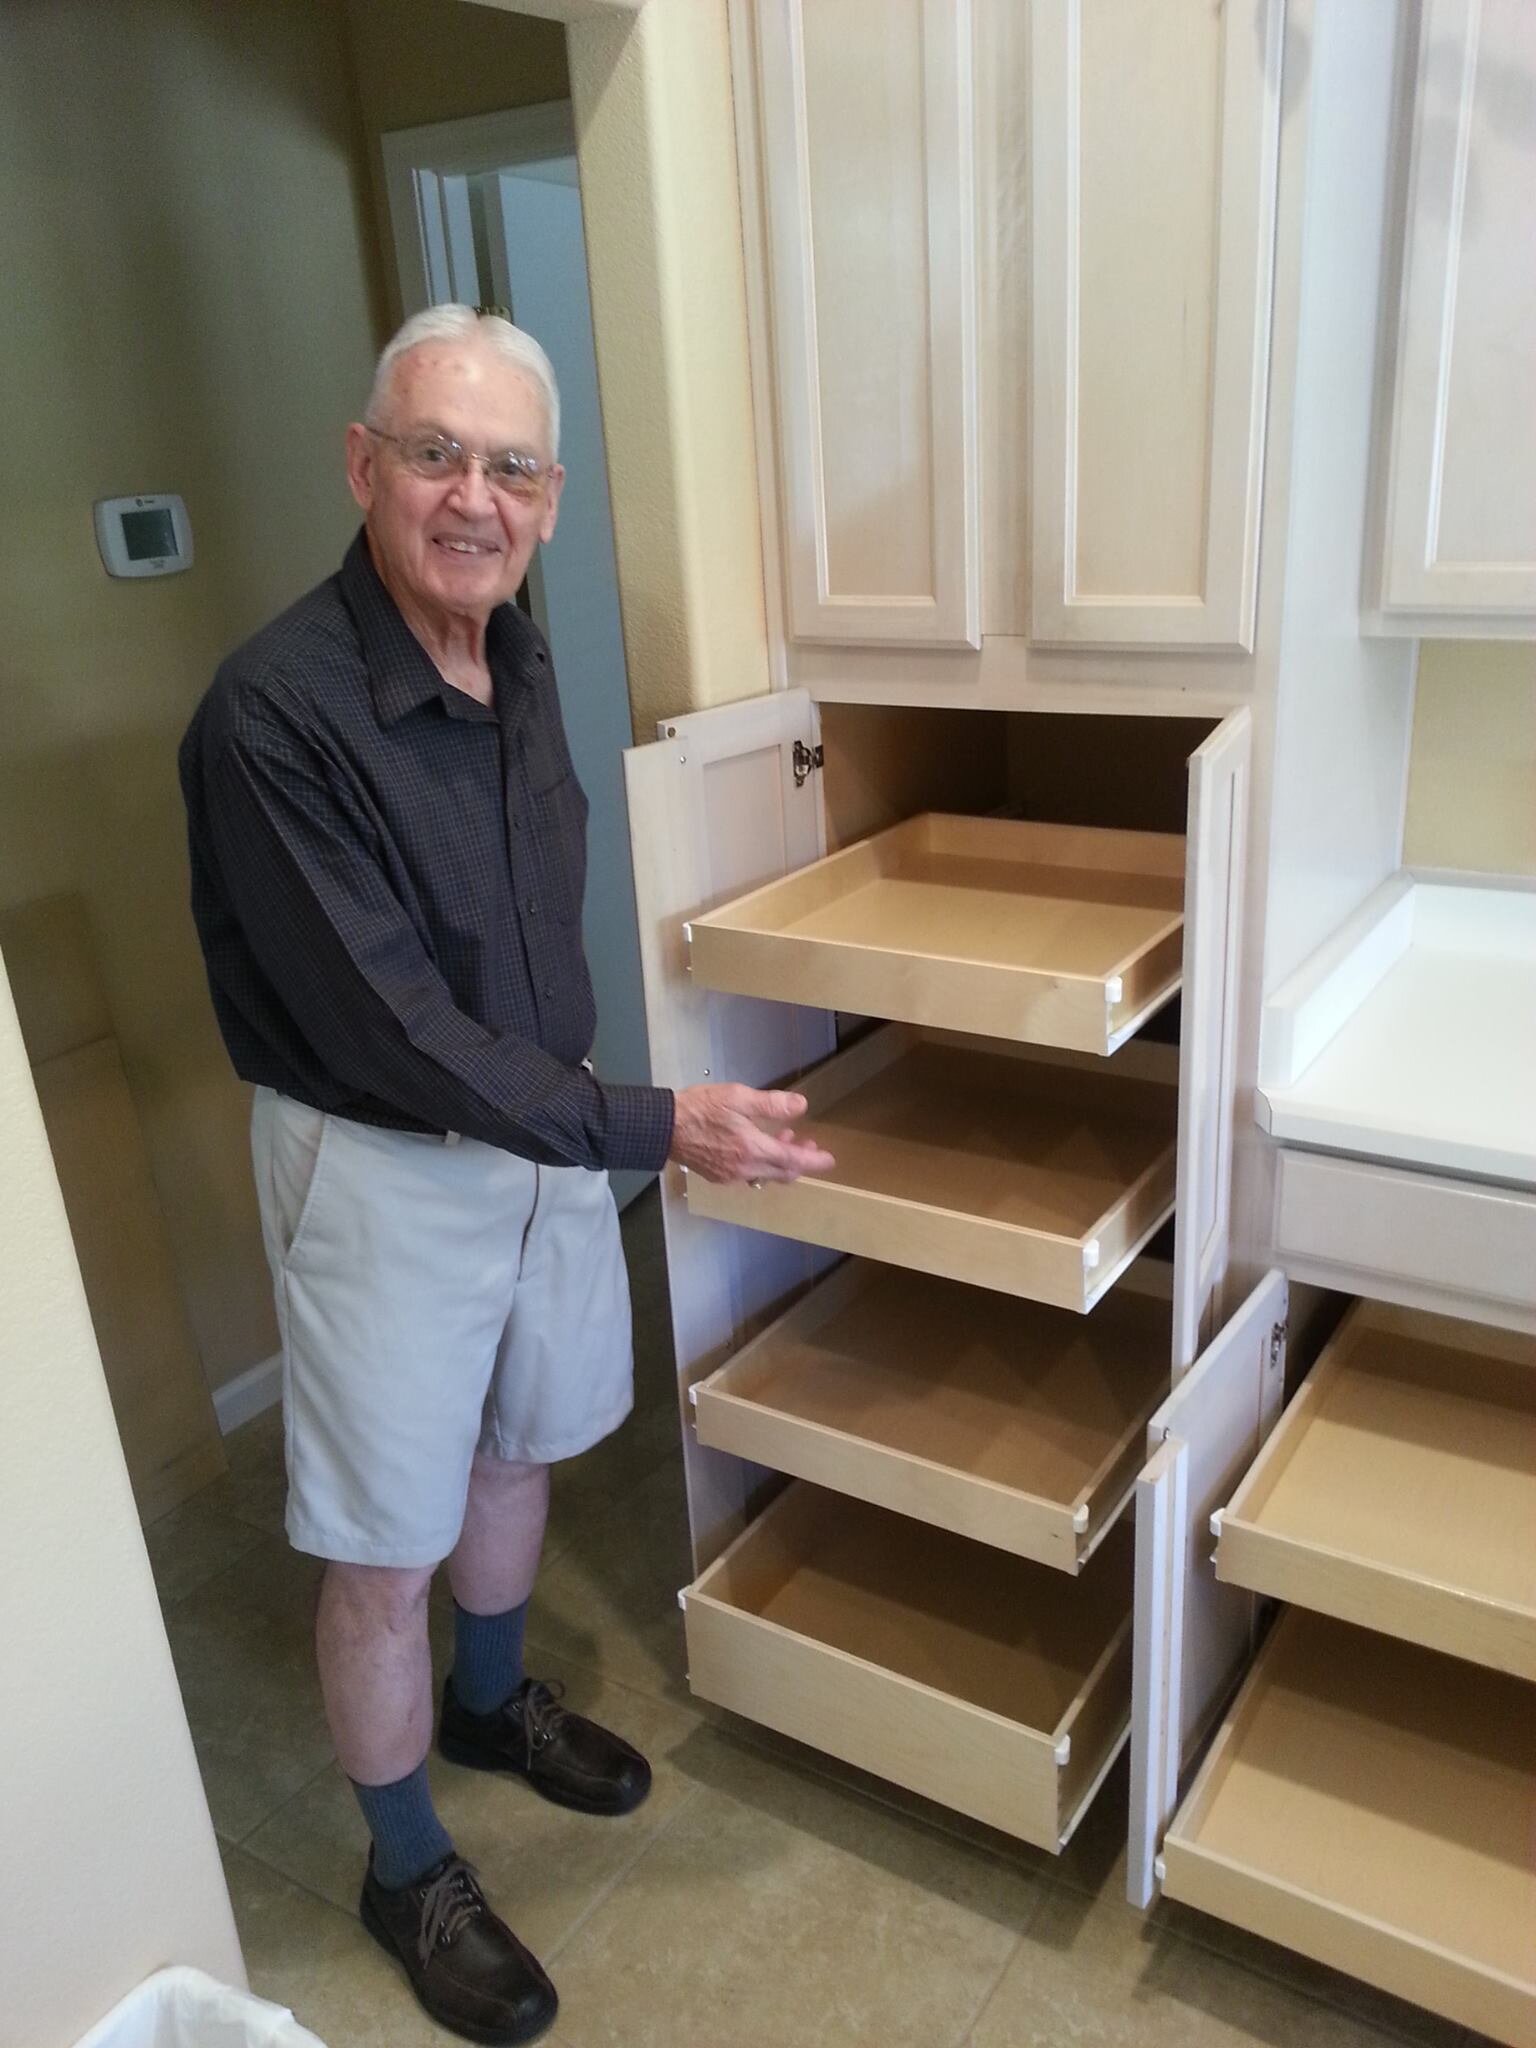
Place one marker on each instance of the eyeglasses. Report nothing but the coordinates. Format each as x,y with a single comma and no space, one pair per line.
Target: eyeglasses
434,457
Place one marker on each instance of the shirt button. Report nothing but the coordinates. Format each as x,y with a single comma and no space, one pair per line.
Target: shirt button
531,907
549,991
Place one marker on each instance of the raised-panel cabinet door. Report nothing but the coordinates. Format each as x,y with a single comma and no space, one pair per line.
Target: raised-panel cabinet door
1459,526
866,147
1155,146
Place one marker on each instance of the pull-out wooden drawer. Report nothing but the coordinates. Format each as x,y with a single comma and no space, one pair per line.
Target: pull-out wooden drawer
1019,1425
996,1687
1399,1489
1039,1174
1051,934
1370,1804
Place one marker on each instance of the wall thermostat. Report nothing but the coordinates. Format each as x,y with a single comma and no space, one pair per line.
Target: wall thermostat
149,535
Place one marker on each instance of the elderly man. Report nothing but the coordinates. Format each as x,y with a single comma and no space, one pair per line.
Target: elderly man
388,861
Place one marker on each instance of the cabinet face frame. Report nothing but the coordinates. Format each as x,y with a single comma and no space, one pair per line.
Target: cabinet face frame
1220,614
795,332
1411,587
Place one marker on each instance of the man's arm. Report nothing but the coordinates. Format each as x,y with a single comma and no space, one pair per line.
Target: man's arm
337,944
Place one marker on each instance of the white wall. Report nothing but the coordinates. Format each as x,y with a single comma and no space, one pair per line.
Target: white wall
108,1865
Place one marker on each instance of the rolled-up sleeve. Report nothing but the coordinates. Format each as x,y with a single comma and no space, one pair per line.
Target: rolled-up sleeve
315,902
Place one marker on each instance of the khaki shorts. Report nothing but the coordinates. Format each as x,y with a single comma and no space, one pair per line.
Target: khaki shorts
434,1300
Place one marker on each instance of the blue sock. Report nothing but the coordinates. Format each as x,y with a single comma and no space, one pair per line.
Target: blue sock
408,1837
487,1657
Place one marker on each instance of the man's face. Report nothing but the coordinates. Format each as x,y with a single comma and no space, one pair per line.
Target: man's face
455,543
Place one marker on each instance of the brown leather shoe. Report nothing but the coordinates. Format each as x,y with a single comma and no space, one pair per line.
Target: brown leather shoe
468,1969
565,1757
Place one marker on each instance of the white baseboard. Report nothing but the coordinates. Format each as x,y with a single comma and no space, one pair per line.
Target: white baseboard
249,1393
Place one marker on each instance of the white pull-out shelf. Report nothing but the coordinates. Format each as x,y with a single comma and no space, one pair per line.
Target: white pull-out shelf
1398,1490
1047,934
1018,1425
1369,1804
996,1687
1039,1174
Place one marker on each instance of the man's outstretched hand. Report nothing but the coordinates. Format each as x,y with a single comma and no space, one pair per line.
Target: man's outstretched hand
725,1132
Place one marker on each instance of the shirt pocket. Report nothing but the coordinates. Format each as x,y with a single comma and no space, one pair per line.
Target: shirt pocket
560,841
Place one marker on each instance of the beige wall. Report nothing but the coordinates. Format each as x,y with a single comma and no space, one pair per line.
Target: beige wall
110,1869
417,61
1472,771
186,308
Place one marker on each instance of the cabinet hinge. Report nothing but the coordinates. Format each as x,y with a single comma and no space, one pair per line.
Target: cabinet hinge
1277,1337
805,759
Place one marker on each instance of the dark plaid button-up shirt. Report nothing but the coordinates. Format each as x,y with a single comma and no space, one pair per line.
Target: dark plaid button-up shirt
387,880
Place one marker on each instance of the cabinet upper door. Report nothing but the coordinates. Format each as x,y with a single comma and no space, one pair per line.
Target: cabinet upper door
1459,524
866,147
1155,131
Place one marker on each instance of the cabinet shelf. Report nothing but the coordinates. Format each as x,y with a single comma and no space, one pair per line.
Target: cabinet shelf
1368,1803
1399,1489
1045,934
1039,1174
1017,1425
994,1686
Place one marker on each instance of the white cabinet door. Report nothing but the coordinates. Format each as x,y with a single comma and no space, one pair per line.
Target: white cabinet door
1193,1636
1215,851
866,141
1156,135
1459,524
718,804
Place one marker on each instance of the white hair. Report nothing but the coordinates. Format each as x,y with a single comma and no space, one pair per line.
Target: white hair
463,323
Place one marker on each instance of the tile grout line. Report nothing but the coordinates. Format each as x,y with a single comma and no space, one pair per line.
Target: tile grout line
627,1870
282,1806
967,2032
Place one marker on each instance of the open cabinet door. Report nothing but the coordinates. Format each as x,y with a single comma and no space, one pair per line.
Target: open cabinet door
1193,1636
1216,842
718,804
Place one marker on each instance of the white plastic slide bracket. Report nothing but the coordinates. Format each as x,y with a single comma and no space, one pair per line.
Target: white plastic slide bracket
693,1395
1063,1752
1091,1254
1216,1523
1114,989
682,1598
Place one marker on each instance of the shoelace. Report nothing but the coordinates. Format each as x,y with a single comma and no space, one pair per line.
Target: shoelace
448,1905
543,1715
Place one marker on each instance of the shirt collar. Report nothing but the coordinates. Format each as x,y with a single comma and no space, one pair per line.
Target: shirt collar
400,671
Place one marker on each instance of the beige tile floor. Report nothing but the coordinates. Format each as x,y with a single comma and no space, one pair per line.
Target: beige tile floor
762,1896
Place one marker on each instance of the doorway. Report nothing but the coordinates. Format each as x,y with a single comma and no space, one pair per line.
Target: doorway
487,212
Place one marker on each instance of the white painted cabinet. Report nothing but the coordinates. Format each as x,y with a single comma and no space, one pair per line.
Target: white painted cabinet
1011,269
1457,543
1153,162
869,223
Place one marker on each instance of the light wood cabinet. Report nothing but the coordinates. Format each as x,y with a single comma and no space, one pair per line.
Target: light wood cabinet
948,1412
1154,154
1457,537
1011,272
1368,1799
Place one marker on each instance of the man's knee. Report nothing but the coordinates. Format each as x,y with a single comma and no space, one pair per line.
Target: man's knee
383,1596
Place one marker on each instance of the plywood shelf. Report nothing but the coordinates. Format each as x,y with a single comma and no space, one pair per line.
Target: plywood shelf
1369,1804
1399,1489
994,1686
1045,934
1039,1174
1019,1425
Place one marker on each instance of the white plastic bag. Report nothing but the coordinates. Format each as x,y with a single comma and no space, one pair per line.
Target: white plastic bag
186,2008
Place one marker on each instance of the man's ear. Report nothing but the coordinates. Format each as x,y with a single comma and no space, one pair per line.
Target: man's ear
552,492
362,455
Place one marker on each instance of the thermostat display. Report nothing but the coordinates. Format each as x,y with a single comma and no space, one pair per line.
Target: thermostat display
149,535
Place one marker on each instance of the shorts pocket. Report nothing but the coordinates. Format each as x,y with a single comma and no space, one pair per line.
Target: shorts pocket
300,1153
